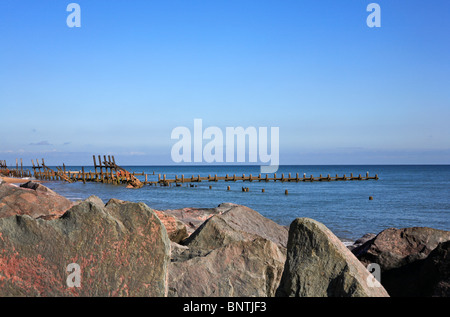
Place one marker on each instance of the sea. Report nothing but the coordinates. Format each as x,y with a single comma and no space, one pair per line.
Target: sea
403,196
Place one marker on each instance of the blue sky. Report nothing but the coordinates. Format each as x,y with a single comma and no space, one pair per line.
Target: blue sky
340,92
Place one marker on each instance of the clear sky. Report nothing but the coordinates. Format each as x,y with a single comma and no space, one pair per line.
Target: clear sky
339,91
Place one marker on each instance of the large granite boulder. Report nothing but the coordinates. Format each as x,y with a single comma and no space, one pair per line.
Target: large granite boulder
236,252
393,248
96,201
319,265
239,269
120,250
400,254
434,275
361,241
238,223
31,199
176,229
37,187
195,217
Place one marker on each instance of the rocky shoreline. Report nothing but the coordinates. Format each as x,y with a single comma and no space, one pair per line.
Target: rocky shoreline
128,249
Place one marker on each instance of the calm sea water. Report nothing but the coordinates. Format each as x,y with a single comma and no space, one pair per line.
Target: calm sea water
404,196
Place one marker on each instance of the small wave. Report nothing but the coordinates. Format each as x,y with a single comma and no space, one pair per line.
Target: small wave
74,198
347,243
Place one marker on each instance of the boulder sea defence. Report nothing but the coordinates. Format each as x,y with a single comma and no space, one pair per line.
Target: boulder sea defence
401,255
236,252
121,249
127,249
319,265
32,199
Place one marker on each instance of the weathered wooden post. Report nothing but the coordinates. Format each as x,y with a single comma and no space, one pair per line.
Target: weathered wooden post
34,168
39,168
95,168
101,168
105,163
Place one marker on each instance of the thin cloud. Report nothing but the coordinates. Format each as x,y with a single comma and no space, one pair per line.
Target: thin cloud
42,143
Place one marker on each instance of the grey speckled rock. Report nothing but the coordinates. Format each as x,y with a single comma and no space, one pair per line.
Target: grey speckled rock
122,250
400,254
319,265
96,200
236,252
434,276
361,241
32,199
236,224
241,268
393,248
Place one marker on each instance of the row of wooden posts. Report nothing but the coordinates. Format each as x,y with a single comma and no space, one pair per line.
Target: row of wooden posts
259,178
14,172
107,171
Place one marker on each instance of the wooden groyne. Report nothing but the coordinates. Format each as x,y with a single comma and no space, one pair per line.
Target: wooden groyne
258,178
107,171
14,172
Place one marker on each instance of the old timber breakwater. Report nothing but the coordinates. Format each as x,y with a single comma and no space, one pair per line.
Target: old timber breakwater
107,171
